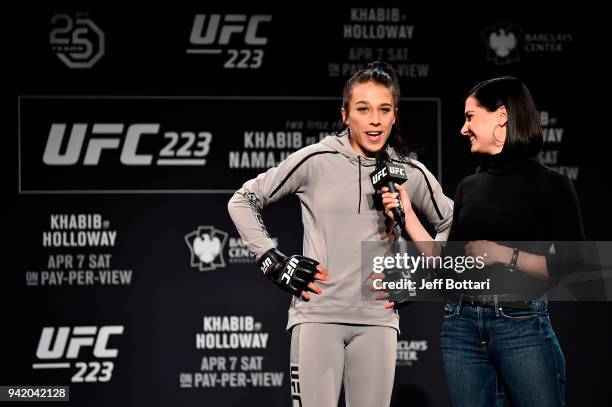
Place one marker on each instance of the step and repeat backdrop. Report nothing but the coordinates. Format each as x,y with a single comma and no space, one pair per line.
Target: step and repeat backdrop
131,127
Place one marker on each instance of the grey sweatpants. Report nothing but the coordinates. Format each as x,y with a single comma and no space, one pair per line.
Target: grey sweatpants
325,355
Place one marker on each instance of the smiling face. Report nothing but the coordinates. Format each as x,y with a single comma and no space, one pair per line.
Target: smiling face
486,130
370,115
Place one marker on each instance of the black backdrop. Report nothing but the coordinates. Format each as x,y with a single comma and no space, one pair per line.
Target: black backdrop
142,87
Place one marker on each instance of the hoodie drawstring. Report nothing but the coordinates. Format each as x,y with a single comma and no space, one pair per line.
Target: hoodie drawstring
359,165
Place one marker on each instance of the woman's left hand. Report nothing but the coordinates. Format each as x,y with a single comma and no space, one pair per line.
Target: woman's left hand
491,252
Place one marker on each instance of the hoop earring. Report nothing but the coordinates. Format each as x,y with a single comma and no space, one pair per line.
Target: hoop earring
495,138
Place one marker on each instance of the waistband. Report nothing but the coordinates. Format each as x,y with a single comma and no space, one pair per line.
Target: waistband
491,300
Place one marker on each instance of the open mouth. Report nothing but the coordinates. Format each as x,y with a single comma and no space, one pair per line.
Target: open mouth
373,135
472,139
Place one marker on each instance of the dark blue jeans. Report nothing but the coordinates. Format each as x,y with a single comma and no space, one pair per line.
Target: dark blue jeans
486,350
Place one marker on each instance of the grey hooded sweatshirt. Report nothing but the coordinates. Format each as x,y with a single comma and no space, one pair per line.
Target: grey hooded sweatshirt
333,185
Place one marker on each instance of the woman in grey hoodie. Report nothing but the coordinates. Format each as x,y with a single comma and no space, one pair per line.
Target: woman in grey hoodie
338,335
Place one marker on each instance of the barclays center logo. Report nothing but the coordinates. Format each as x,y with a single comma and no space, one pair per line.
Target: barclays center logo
502,42
207,245
211,249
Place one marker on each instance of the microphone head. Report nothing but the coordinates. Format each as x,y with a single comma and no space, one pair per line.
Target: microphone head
381,157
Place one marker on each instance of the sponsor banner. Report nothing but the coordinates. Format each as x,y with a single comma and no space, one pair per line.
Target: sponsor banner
234,350
378,34
78,250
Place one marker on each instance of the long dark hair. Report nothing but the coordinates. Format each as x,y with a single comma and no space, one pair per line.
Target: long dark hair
524,135
383,74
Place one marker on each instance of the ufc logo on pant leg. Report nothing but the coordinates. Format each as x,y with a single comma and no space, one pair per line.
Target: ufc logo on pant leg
296,398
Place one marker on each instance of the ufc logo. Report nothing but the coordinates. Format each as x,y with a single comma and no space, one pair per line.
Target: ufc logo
95,146
296,397
266,263
79,337
232,24
185,148
379,175
396,170
290,270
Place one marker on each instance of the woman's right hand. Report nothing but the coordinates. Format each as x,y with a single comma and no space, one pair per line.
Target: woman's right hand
390,200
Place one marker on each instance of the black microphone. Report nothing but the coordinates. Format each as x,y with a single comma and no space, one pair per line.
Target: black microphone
385,175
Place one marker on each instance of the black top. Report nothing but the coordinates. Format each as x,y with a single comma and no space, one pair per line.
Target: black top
518,202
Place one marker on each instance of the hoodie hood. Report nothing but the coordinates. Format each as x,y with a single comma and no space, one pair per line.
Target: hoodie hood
342,144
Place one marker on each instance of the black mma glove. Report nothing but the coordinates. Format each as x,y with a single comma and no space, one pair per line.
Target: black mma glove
292,274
